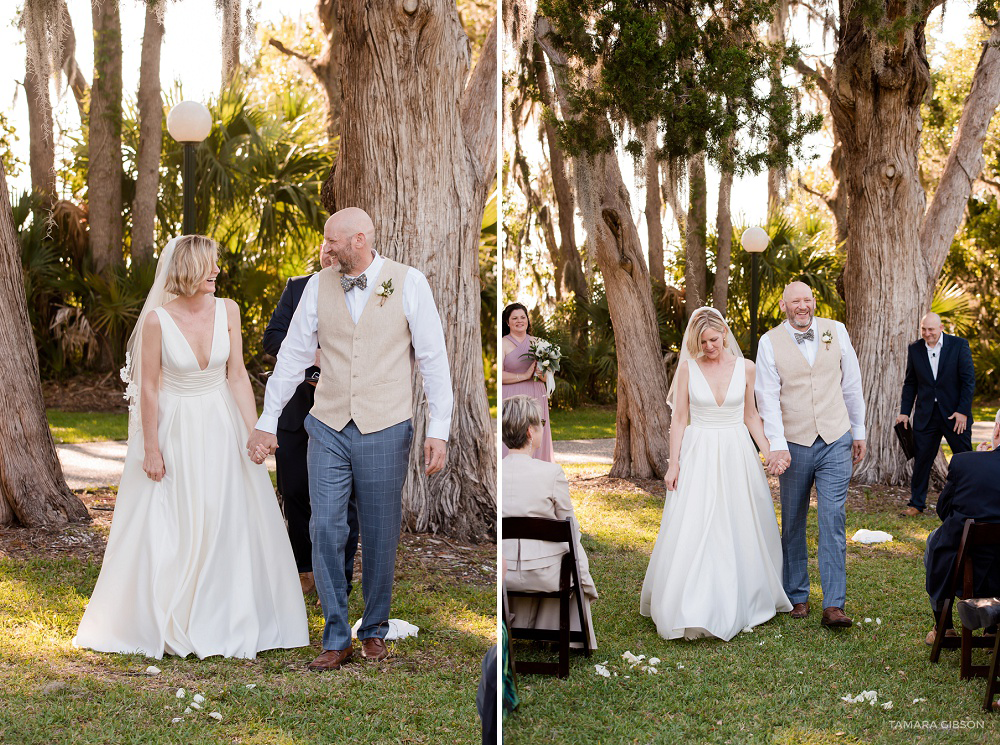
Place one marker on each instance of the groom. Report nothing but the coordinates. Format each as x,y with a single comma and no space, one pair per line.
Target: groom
809,395
370,317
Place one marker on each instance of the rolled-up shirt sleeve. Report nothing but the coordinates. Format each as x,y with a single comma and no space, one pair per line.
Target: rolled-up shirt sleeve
767,388
850,383
298,352
427,337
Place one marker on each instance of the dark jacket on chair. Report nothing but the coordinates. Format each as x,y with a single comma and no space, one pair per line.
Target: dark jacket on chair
972,490
951,391
294,414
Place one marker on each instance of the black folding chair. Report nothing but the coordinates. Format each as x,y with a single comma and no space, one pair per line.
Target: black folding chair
975,535
555,531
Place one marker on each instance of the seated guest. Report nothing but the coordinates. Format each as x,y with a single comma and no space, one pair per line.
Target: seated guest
537,488
972,490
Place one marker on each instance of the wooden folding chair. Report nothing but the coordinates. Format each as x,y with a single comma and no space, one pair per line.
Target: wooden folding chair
556,531
977,613
974,535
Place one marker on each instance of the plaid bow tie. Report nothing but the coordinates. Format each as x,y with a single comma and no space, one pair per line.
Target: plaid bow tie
800,338
360,282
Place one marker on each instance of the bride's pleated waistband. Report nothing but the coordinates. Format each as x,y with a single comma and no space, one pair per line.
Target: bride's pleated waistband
192,384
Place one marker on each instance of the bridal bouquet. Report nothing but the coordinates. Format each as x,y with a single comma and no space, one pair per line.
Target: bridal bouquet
546,356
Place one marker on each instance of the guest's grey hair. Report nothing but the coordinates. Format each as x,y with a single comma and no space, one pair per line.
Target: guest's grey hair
519,413
996,419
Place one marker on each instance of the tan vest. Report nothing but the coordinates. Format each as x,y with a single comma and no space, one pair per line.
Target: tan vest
812,399
367,368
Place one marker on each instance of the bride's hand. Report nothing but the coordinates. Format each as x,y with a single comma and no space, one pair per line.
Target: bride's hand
152,464
670,479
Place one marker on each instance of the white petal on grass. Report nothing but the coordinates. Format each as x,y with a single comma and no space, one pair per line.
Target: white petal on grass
216,715
181,693
887,705
868,620
250,686
601,670
919,700
196,705
654,661
747,630
680,666
650,669
199,699
152,670
175,720
187,710
878,621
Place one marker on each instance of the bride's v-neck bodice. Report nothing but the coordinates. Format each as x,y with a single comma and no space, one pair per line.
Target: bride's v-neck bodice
180,371
705,410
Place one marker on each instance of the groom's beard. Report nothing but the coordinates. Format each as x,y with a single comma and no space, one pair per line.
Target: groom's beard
796,321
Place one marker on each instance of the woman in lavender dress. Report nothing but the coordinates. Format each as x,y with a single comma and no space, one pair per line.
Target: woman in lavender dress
519,372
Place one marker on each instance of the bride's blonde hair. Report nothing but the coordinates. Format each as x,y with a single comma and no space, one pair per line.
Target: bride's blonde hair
192,264
706,319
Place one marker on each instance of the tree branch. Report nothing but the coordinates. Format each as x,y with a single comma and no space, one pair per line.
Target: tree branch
311,61
965,160
479,111
815,75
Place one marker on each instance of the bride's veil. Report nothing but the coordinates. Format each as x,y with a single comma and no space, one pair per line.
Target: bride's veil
731,346
132,372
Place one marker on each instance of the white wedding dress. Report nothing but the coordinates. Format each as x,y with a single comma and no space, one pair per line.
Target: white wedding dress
716,565
199,562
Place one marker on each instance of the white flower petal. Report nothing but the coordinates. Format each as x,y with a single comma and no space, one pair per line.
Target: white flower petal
868,620
601,670
196,705
199,699
878,621
152,670
654,661
919,700
175,720
250,686
181,693
216,715
187,710
887,705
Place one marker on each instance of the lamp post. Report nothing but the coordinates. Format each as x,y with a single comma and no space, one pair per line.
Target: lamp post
189,122
754,241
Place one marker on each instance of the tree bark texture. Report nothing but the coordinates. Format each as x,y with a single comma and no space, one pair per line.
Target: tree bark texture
67,47
232,35
695,237
150,138
570,276
887,286
776,35
325,67
104,173
654,207
37,25
32,489
642,424
418,153
724,242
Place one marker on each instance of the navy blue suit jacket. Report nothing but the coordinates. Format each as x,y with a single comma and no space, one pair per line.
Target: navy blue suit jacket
953,387
294,414
972,490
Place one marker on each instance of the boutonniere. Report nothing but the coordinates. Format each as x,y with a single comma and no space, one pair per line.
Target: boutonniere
826,337
384,291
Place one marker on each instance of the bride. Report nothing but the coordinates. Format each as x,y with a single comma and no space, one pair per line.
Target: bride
198,561
716,565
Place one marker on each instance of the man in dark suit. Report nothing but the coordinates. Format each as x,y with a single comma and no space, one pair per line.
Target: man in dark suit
972,490
293,442
940,376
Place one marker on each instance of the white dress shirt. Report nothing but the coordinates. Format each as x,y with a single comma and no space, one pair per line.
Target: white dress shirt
934,354
768,384
298,350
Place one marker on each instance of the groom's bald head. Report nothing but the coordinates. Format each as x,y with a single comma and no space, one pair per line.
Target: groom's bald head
798,304
349,238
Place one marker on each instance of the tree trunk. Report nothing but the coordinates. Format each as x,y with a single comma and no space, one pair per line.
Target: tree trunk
67,45
724,240
37,25
654,207
570,276
150,137
642,424
877,112
419,155
695,281
326,67
104,173
232,34
32,488
776,35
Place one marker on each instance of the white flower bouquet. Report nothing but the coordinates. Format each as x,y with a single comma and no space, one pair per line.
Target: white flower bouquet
547,356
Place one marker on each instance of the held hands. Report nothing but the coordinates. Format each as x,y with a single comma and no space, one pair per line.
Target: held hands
778,462
260,445
152,464
435,454
903,419
960,422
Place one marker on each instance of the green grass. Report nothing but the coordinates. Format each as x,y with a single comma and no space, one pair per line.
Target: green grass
583,423
782,683
425,694
87,426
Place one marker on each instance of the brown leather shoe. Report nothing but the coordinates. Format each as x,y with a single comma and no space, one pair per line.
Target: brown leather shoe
799,610
911,512
929,639
331,659
835,618
308,582
373,649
